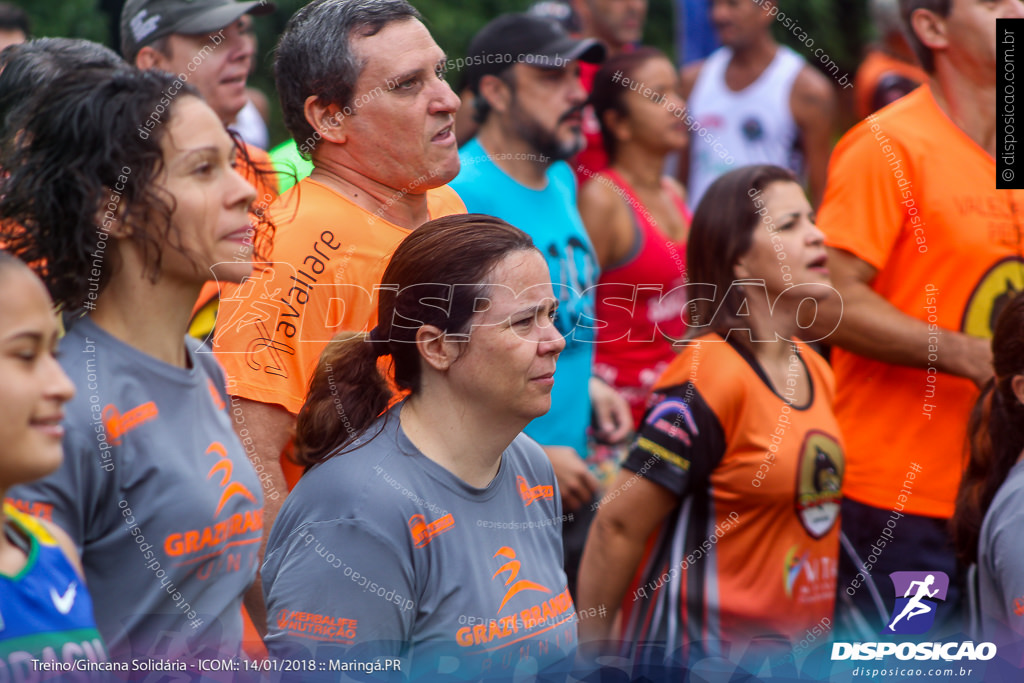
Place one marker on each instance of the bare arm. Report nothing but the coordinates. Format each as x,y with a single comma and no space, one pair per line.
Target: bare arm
608,222
634,509
813,102
868,325
269,428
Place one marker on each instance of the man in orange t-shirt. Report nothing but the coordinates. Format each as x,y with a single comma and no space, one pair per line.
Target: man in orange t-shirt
924,251
381,140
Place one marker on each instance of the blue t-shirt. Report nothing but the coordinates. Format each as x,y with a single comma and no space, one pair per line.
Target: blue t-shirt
551,218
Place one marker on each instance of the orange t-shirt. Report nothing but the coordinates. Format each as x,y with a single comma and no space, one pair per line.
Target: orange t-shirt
909,193
328,257
876,67
751,550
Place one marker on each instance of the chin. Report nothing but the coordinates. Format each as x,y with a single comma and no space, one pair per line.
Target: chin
232,271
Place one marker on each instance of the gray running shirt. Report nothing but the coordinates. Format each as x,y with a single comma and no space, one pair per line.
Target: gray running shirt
1001,563
380,551
158,494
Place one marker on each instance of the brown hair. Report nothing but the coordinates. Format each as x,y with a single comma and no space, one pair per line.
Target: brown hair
722,231
435,277
907,8
609,94
995,433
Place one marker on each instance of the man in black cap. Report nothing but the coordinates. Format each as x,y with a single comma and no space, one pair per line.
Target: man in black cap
206,43
523,72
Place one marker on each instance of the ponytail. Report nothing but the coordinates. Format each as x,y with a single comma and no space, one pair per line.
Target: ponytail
995,434
346,394
436,276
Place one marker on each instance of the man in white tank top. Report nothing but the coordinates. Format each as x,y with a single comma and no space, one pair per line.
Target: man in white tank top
755,102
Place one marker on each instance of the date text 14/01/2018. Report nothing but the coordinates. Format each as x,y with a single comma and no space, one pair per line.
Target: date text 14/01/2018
267,665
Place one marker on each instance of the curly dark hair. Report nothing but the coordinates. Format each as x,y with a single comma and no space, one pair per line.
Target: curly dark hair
26,68
88,153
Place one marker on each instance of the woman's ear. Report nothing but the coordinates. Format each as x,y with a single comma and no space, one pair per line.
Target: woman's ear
1017,384
740,270
112,221
435,348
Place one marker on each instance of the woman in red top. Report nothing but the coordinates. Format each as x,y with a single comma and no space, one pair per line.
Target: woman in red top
637,220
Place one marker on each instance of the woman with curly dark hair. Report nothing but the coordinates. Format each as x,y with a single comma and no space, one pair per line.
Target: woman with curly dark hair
990,504
125,186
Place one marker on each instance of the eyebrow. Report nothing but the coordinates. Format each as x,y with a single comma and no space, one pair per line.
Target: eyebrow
208,149
533,310
37,337
415,72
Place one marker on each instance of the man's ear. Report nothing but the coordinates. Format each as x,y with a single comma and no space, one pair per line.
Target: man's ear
329,120
436,348
930,28
496,91
151,58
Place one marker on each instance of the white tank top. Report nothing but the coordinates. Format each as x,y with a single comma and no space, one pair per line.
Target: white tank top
752,126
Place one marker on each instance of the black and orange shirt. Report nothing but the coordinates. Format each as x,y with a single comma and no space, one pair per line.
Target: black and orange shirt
751,550
385,552
158,494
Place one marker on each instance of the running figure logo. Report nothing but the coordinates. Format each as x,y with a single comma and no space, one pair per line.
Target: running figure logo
914,613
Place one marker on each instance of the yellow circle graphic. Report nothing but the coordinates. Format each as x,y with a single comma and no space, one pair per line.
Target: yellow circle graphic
997,287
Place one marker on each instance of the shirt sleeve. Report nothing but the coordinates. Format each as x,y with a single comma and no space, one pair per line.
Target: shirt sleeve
338,587
680,441
863,211
1005,559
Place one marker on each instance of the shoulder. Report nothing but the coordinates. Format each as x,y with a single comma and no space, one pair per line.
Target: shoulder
357,482
528,457
812,93
601,202
66,545
46,533
444,201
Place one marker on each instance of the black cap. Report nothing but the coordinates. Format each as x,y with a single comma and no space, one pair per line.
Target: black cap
144,22
522,38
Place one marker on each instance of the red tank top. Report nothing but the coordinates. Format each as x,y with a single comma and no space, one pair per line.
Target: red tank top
639,302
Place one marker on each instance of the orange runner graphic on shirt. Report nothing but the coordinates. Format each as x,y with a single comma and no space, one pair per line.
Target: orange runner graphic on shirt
512,567
225,467
118,424
529,494
423,533
523,624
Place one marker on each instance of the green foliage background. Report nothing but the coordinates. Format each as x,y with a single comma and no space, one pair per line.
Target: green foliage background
840,27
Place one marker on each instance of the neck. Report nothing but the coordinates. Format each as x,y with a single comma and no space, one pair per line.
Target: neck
152,318
12,560
641,167
457,435
402,207
772,329
969,101
517,158
757,53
